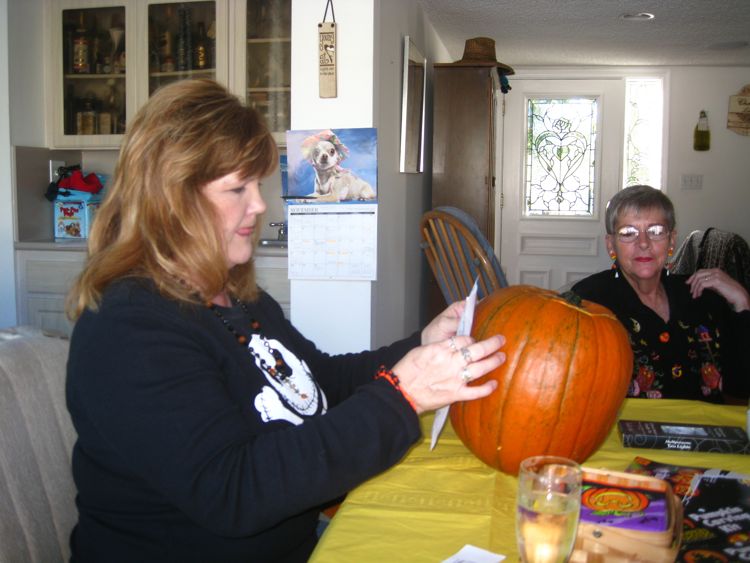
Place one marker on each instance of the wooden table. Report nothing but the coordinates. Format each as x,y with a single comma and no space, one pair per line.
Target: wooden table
433,503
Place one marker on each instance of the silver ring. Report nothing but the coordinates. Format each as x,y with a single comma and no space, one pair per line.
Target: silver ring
452,344
465,375
467,355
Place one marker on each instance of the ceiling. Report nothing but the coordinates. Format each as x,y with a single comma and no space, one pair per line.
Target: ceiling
593,32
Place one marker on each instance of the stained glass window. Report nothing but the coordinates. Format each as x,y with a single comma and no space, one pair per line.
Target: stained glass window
560,157
643,131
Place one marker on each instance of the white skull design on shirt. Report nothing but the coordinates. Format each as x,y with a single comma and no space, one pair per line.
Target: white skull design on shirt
291,392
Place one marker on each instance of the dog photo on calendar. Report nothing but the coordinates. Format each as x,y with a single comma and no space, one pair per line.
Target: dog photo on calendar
332,166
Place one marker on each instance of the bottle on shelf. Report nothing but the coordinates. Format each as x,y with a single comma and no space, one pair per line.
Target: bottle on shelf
702,134
81,47
201,52
86,116
97,52
105,120
184,39
70,109
116,34
211,34
154,46
68,34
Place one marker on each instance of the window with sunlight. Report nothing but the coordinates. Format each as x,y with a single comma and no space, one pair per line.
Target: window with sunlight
644,109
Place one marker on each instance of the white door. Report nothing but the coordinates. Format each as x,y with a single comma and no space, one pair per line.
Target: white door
545,238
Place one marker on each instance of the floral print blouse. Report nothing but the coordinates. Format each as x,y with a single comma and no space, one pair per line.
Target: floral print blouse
701,352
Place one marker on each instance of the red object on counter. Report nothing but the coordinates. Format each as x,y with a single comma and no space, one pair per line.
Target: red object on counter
76,181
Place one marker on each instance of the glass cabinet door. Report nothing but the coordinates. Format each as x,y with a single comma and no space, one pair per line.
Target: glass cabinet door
181,42
94,69
268,61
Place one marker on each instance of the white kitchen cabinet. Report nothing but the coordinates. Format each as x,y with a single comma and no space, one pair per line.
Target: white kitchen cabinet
90,71
262,60
165,55
43,278
130,48
107,57
272,274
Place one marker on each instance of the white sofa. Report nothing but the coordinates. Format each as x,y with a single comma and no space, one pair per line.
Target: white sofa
37,510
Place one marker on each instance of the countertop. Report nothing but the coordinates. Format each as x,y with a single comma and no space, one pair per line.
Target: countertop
75,245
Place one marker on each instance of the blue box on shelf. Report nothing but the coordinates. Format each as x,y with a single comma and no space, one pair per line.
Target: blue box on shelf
74,214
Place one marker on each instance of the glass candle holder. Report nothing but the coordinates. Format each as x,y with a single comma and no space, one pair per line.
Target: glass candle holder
548,507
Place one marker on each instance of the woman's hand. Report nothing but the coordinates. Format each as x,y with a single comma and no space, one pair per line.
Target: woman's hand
444,325
437,374
723,284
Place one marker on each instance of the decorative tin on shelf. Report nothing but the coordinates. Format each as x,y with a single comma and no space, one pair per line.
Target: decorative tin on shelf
76,198
74,214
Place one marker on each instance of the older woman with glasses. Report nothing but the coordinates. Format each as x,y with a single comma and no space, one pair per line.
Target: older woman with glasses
687,333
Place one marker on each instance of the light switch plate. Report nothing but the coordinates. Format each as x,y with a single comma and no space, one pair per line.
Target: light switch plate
691,182
53,166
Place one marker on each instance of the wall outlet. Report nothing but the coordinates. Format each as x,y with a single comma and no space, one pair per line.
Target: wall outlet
54,165
691,182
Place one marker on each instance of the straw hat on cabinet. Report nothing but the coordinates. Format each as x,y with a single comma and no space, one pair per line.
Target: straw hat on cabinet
480,51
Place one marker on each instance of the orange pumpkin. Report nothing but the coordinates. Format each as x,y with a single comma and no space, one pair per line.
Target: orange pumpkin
567,371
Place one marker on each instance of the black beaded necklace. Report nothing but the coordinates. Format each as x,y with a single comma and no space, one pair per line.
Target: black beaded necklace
280,371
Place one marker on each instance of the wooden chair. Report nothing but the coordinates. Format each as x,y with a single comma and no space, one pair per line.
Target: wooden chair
458,253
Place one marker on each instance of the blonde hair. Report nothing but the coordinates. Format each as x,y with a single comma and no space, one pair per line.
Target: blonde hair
155,223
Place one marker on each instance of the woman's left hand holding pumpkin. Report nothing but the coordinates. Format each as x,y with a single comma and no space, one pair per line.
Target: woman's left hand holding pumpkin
444,325
723,284
436,375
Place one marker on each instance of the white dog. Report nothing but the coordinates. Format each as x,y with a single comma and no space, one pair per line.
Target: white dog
324,151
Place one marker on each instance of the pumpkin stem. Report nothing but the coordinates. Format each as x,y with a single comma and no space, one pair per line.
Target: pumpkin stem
572,297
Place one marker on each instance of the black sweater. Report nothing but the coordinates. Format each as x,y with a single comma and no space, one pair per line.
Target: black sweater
697,354
187,451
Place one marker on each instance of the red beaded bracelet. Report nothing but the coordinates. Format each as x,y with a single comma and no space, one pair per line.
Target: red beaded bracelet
392,378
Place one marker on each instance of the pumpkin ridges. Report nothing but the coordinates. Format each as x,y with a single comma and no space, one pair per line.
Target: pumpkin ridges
521,335
566,349
604,395
589,341
564,437
511,325
537,390
609,394
555,382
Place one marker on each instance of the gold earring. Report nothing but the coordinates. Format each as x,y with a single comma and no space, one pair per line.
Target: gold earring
668,265
613,256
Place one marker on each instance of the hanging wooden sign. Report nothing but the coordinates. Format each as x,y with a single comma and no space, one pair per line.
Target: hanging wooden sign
738,119
327,55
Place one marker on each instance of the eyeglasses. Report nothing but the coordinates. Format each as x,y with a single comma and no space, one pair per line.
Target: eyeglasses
629,233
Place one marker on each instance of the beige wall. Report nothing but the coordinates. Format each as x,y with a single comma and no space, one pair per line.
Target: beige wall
724,201
403,197
345,316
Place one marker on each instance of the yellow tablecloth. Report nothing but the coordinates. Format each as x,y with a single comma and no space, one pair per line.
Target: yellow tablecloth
433,503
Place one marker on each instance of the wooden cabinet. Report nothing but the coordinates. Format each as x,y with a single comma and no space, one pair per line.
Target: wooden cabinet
464,146
464,141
